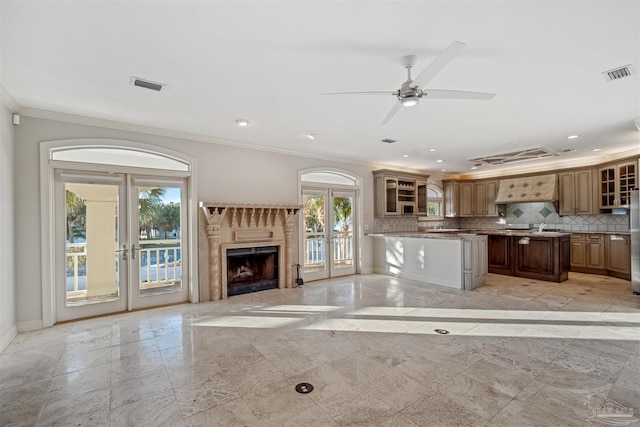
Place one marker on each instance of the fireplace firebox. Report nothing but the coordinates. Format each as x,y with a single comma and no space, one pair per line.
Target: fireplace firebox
251,269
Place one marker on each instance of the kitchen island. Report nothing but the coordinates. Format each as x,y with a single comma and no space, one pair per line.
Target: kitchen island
456,260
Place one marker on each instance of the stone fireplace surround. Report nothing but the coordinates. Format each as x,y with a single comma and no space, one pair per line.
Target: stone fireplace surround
224,226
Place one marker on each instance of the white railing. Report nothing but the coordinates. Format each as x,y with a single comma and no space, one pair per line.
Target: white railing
315,247
160,265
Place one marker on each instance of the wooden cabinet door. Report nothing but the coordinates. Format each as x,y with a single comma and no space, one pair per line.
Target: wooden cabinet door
536,257
566,193
491,193
583,192
607,190
466,199
595,251
499,254
479,199
451,198
619,254
627,181
578,251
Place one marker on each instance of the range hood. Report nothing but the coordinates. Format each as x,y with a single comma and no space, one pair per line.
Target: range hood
541,188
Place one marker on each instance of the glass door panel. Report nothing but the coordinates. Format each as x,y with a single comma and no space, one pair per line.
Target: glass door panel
92,269
315,258
158,248
342,247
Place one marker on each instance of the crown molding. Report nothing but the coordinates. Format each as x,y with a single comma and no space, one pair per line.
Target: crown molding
7,100
548,167
150,130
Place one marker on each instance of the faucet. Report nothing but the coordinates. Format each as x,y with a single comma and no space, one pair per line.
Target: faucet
542,226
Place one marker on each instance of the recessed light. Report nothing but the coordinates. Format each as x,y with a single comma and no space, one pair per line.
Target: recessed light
572,136
443,170
433,149
311,135
405,155
474,167
597,149
242,122
439,161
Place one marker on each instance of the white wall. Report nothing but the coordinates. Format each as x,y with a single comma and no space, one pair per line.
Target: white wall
7,254
224,174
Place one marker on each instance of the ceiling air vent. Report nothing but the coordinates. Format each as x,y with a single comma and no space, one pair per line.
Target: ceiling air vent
535,153
147,84
618,73
389,141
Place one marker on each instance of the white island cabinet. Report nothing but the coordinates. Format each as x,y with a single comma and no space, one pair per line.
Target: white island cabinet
454,260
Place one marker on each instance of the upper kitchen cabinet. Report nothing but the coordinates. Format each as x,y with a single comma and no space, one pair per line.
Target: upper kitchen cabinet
470,198
616,182
396,193
466,199
485,198
451,198
575,191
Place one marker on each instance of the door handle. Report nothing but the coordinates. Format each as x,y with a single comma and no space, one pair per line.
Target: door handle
124,252
133,251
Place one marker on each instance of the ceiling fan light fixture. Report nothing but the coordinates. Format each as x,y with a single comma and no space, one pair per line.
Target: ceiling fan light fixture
410,101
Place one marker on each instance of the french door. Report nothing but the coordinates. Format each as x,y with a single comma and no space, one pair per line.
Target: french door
329,238
118,243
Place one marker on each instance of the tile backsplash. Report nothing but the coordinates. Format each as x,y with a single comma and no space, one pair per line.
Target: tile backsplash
517,215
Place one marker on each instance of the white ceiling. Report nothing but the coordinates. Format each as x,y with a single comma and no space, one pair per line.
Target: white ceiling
271,62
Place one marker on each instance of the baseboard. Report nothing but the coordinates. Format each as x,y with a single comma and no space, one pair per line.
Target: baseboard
367,270
30,325
7,337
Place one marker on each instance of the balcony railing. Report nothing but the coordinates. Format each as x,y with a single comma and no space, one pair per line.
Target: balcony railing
315,247
159,264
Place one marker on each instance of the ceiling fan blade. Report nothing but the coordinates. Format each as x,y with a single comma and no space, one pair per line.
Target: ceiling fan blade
456,94
438,64
392,113
363,93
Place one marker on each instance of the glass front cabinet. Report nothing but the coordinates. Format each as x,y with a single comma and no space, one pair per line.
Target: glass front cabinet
616,183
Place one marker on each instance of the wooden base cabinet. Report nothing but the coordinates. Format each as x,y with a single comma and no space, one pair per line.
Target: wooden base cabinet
543,258
533,257
619,256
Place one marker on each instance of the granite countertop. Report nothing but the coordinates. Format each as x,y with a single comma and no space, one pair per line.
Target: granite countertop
451,233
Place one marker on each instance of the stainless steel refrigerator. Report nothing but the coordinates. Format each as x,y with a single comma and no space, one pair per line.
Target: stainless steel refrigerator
634,226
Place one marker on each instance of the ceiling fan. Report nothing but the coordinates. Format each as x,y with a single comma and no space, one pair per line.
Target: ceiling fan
412,91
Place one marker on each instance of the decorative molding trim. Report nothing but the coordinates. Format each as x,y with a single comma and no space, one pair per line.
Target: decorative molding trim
30,325
7,337
150,130
7,100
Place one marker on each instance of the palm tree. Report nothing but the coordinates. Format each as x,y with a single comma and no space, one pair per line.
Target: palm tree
314,214
342,209
150,203
76,212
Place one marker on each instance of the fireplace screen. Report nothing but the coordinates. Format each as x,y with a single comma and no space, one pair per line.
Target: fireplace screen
252,269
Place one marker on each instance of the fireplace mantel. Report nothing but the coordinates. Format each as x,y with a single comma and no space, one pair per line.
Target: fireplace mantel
228,225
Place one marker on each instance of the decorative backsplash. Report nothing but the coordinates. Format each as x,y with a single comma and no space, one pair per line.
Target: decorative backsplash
518,215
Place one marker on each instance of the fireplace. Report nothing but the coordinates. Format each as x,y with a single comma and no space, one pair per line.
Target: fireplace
251,269
245,248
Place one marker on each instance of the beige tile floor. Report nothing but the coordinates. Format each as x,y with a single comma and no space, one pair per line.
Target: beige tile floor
519,352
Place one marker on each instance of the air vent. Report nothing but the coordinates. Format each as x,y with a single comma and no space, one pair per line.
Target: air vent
535,153
618,73
146,84
389,141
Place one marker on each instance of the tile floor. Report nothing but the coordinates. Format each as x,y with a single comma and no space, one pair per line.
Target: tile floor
519,352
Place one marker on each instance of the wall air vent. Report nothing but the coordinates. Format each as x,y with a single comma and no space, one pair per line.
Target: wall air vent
146,84
618,73
535,153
